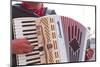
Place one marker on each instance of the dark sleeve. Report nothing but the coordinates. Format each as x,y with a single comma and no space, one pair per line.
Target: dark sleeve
53,12
13,56
49,12
13,61
18,12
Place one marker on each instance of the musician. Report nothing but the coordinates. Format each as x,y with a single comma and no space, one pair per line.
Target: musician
31,9
26,9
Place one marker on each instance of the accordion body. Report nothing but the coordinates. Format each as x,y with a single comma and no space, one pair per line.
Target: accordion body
57,39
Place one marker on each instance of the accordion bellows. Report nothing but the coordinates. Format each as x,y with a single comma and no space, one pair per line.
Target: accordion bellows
57,39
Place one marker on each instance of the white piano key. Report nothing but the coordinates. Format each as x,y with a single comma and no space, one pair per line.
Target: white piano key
18,30
32,56
22,36
17,23
36,47
33,40
27,28
20,63
22,58
33,52
28,23
34,44
24,62
29,57
20,24
23,55
35,35
19,36
25,19
32,61
29,32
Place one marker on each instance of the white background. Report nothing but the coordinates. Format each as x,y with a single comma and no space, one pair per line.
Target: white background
5,33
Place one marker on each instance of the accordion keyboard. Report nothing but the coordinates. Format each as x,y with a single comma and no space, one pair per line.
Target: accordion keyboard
28,30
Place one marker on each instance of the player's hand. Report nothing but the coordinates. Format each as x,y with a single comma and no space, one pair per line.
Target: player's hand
20,46
89,54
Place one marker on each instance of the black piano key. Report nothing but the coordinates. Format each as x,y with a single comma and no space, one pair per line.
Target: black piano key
28,25
33,59
40,48
28,21
29,30
29,33
35,49
33,41
32,38
35,45
32,63
32,54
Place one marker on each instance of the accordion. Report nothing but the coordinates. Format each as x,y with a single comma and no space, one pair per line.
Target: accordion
57,39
